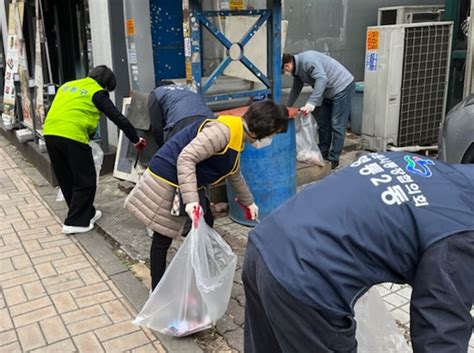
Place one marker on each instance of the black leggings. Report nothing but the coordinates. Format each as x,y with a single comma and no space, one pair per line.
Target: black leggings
161,244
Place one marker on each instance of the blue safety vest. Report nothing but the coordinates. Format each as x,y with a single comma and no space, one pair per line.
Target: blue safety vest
366,224
178,103
210,171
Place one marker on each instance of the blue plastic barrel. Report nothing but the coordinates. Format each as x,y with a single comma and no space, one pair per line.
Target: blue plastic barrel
270,173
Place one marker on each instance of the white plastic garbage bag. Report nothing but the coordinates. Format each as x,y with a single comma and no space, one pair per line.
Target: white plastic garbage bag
98,156
306,144
195,289
376,328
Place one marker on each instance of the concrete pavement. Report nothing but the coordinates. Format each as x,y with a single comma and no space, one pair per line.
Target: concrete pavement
54,297
29,230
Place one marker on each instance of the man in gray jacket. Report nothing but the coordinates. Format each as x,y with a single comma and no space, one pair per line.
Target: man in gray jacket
333,87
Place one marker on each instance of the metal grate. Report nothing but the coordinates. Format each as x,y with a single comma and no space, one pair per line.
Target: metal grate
425,72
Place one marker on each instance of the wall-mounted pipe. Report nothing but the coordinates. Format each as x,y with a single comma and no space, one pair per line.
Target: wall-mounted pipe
412,148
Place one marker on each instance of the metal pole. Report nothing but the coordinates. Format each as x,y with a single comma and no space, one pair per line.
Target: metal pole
274,48
452,13
452,8
31,86
45,43
187,43
192,44
18,104
3,20
468,81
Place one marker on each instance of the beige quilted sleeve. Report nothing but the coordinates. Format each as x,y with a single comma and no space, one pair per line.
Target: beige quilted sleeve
241,189
213,138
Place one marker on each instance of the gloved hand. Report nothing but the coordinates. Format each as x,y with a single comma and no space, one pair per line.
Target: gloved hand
253,209
189,208
141,144
307,109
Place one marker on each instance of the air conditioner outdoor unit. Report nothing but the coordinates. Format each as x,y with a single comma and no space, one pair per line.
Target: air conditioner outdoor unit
406,81
398,15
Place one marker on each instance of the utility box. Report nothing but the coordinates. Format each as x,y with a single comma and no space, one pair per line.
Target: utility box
398,15
406,80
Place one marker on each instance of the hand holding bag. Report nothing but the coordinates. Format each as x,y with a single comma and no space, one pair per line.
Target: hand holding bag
195,289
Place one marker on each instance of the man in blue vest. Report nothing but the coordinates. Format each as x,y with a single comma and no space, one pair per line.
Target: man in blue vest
172,107
388,217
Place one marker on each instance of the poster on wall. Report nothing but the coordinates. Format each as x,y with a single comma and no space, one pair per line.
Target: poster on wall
39,81
23,71
8,114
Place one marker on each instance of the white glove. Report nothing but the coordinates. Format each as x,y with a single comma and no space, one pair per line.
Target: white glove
253,209
189,208
308,108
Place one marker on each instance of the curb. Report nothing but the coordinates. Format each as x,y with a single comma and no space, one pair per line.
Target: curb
96,244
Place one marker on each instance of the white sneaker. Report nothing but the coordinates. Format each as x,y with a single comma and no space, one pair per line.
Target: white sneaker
149,232
96,217
75,229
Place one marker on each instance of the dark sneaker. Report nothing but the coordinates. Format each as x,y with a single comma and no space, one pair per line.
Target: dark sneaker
334,164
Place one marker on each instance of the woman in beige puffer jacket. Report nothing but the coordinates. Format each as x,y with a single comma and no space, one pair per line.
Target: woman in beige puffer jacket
203,153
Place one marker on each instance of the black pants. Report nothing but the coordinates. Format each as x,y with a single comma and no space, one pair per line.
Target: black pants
443,294
277,322
161,244
74,168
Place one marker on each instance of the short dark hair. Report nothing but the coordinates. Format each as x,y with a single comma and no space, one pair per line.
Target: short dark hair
104,77
165,83
266,118
287,58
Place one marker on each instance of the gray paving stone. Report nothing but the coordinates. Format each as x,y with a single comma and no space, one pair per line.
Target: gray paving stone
237,290
101,250
226,324
236,312
126,230
235,339
130,235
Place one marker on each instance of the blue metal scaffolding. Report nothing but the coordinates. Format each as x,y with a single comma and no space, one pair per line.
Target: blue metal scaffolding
270,172
195,19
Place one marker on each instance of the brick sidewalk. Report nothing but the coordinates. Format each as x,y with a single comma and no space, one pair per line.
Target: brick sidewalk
53,295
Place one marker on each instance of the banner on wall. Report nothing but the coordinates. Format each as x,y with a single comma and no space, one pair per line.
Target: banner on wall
8,114
23,71
39,81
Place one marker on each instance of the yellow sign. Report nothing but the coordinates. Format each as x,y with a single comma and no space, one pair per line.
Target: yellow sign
236,5
130,27
373,40
189,72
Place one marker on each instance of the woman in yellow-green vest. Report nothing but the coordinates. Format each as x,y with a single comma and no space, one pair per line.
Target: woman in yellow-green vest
202,153
71,121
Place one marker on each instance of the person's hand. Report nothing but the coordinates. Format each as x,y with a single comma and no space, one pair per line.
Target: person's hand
190,207
253,209
307,109
141,144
